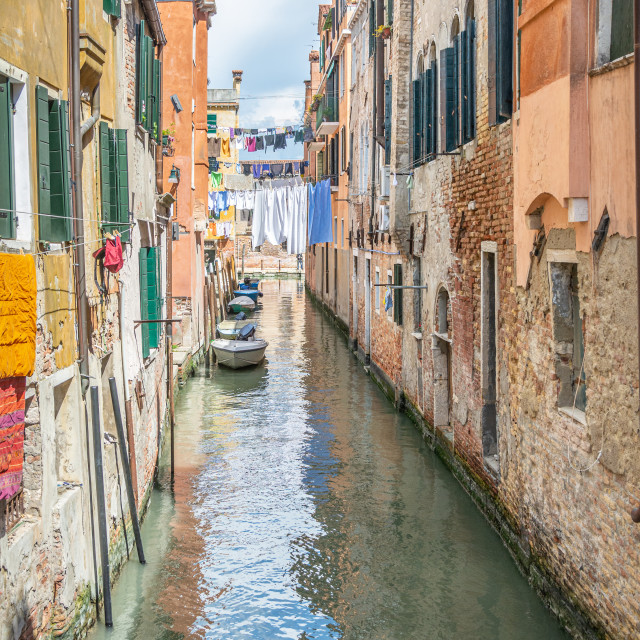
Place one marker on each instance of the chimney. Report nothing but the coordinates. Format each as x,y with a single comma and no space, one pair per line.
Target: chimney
237,80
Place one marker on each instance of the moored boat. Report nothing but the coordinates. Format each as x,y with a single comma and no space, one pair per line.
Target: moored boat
254,294
245,351
242,303
229,329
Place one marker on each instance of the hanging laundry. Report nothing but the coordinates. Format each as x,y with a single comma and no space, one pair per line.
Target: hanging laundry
266,169
257,229
270,140
388,299
113,259
238,142
259,143
226,148
212,200
232,198
231,133
215,180
308,134
288,169
276,169
257,171
246,169
320,221
281,142
249,199
213,147
296,168
299,136
12,409
297,221
213,164
251,144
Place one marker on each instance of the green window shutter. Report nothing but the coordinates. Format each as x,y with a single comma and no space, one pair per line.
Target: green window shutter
105,172
390,11
157,91
417,118
424,118
212,123
448,61
621,29
112,7
456,89
504,75
471,80
141,75
464,84
433,108
152,296
372,27
397,294
492,50
159,297
144,300
387,120
60,228
428,129
151,99
122,189
44,169
7,182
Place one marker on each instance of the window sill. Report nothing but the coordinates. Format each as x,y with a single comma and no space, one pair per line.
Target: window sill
611,66
417,335
441,336
575,414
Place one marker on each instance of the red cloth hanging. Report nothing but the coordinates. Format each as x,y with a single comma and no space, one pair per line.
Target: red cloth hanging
113,259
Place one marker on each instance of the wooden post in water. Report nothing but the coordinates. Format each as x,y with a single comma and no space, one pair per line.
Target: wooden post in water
207,341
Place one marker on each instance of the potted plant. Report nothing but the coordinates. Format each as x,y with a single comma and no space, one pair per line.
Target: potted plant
168,138
384,31
315,103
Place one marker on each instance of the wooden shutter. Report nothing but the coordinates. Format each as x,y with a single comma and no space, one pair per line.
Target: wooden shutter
159,291
621,29
390,11
424,121
7,183
450,107
44,166
464,86
122,181
372,27
417,120
151,99
492,49
59,227
112,7
144,300
141,75
105,172
456,89
387,120
157,99
433,99
397,294
471,80
152,296
504,72
443,100
212,122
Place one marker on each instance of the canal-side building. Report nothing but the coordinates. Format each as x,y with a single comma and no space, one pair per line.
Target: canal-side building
82,245
574,397
186,176
330,263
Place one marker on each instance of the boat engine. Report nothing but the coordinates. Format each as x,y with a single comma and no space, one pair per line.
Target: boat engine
246,332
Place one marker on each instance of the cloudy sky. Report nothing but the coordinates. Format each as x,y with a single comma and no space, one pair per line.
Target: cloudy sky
270,41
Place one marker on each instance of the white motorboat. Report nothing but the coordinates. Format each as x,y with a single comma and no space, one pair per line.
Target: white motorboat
229,329
237,354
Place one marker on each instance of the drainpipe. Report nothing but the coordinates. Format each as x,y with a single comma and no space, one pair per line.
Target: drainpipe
635,514
95,112
84,331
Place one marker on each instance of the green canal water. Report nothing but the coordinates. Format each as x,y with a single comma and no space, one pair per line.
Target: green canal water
304,507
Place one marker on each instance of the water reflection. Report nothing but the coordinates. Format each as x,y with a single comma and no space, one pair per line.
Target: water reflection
306,508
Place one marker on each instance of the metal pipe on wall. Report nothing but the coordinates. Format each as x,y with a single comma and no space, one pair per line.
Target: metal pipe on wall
84,331
635,514
103,536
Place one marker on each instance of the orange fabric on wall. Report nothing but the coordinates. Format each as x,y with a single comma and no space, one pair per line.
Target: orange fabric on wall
17,315
225,148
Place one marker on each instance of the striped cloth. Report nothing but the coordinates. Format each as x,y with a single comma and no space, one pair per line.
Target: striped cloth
12,404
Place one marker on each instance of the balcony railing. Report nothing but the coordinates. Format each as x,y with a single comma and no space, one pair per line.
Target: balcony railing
327,111
10,512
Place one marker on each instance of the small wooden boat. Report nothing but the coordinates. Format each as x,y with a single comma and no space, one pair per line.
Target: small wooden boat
229,329
254,294
244,286
242,303
245,351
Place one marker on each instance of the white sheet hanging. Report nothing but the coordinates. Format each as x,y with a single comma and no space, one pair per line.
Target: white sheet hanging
257,227
297,229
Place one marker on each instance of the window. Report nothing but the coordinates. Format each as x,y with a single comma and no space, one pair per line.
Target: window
372,28
615,30
342,233
417,294
390,283
150,297
112,7
114,180
425,112
322,52
212,123
7,164
450,73
148,85
387,120
568,334
397,294
335,231
500,44
54,173
468,82
377,288
194,42
343,148
342,76
389,11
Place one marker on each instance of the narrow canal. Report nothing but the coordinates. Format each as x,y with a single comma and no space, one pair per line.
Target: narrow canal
305,507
